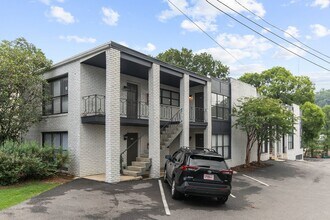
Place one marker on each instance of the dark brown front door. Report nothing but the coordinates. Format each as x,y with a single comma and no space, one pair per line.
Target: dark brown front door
199,141
199,107
132,152
132,100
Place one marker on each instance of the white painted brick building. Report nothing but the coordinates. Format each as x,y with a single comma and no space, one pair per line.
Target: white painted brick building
111,98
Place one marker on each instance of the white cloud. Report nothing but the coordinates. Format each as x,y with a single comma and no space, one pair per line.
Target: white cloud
123,43
265,30
150,47
201,11
110,17
292,31
48,2
285,54
238,70
321,3
78,39
308,37
206,26
320,30
61,15
240,46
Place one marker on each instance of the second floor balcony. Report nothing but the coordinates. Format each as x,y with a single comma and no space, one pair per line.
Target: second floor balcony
94,111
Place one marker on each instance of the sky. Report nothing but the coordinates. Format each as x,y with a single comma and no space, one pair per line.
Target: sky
64,28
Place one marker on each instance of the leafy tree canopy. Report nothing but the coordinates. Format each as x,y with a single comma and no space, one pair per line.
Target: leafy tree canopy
322,97
202,63
263,119
21,85
313,119
279,83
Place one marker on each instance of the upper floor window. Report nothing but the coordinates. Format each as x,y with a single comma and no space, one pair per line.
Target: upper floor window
168,97
220,106
58,90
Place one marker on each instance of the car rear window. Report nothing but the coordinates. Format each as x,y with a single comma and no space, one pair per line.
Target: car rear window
216,163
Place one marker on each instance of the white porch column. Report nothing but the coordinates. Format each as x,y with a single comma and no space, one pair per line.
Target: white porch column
184,104
208,115
154,120
112,116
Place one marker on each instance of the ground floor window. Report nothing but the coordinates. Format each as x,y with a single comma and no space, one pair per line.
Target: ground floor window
290,141
56,139
264,148
221,143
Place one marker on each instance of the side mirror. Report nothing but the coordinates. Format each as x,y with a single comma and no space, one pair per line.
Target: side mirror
168,157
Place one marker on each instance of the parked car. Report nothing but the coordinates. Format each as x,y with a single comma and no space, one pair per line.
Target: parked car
201,172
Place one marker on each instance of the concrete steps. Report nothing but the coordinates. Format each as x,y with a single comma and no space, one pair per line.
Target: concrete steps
139,167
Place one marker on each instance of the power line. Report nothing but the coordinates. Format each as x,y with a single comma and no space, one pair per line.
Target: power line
204,32
301,48
268,38
276,27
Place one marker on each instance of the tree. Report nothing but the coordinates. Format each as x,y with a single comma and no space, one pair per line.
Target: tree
322,97
263,119
202,63
313,119
279,83
326,129
21,87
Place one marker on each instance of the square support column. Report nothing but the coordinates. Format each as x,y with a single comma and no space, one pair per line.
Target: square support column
154,120
112,116
184,104
208,115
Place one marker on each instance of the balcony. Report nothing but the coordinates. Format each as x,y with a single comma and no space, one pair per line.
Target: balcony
134,112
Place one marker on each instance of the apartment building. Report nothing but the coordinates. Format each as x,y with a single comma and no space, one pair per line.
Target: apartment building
119,112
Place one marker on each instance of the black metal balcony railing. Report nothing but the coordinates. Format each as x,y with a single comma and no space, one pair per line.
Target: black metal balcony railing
94,105
197,114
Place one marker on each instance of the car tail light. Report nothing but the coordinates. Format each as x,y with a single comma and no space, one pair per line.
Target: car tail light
227,172
186,167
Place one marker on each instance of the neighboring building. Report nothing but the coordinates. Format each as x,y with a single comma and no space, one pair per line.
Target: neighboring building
113,102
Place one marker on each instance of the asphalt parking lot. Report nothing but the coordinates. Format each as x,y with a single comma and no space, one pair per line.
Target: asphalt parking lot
284,190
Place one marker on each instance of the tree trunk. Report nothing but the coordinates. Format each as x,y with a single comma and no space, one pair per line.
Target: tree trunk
247,153
259,152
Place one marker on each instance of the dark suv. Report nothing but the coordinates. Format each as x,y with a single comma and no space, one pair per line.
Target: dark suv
201,172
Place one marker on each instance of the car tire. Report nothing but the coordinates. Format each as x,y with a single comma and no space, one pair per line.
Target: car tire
165,176
222,200
174,192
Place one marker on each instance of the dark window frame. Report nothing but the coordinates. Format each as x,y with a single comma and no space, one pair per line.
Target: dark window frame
171,98
64,93
291,141
222,109
216,147
61,133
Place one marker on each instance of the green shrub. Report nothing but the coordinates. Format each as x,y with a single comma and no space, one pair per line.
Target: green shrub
29,160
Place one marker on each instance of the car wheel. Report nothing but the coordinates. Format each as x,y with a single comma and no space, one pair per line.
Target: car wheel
222,200
175,193
165,176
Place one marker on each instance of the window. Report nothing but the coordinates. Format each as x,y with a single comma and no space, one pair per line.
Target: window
290,141
264,147
220,106
56,139
168,97
58,90
222,145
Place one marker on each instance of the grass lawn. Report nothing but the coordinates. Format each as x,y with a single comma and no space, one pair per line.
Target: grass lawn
12,195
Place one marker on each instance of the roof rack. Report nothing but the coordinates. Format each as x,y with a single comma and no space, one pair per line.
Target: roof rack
200,148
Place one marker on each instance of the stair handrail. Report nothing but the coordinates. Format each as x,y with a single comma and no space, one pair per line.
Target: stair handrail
130,146
171,121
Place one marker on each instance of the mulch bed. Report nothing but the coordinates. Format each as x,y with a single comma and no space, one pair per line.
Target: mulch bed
251,167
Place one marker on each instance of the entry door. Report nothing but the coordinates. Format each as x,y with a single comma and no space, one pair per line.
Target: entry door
132,153
199,107
199,141
132,100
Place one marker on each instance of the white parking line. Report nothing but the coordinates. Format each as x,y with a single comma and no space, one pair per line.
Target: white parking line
232,196
167,210
256,180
